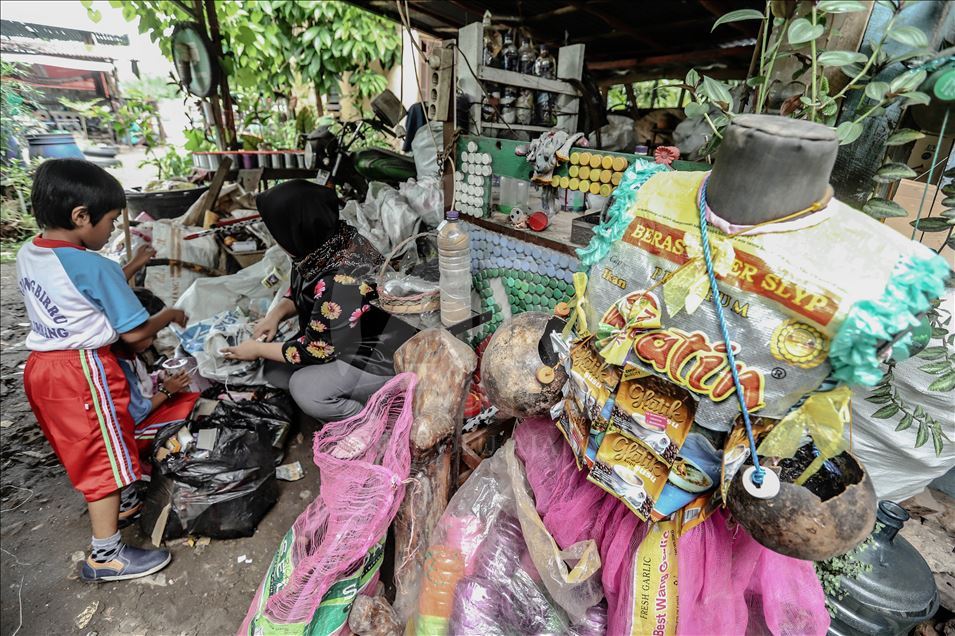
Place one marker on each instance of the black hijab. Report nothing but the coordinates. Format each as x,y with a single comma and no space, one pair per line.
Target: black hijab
301,215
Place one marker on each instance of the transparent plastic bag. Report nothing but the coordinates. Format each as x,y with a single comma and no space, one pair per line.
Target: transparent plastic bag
483,574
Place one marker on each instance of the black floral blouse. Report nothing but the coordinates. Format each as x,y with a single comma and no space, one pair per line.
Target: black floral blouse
332,291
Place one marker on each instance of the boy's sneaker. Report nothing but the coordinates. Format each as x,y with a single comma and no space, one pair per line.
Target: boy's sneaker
129,563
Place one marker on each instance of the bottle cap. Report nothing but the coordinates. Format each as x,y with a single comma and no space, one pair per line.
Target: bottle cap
453,215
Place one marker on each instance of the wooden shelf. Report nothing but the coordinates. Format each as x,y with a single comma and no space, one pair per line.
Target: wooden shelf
503,126
555,237
510,78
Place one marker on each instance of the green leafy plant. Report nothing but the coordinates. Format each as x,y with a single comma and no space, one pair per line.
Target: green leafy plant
831,573
940,364
18,103
793,30
170,165
16,223
277,43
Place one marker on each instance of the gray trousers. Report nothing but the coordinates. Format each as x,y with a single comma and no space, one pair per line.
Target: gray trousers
327,392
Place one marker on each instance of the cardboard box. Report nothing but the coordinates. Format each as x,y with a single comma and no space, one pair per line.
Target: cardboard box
908,194
920,159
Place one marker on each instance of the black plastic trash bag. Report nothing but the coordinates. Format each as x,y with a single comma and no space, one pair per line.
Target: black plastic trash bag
220,493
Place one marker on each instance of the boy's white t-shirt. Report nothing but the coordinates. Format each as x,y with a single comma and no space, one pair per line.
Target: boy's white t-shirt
75,299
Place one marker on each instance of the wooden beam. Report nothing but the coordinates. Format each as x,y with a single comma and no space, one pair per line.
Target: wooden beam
694,57
421,7
614,23
552,13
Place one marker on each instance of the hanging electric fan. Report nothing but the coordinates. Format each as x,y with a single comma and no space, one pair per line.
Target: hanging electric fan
192,54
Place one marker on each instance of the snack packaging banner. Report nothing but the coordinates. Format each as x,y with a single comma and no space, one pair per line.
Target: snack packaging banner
695,472
629,470
784,296
331,617
653,411
655,606
592,386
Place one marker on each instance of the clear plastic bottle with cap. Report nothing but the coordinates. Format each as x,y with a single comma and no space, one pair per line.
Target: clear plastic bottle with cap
526,56
454,265
509,54
545,66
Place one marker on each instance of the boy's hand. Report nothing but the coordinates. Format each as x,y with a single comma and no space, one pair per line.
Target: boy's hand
141,256
248,350
176,383
178,316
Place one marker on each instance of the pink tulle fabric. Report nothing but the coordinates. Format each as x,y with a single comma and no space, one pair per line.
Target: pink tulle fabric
728,583
363,462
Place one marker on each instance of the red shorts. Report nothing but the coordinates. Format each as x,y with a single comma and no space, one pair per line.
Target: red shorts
169,412
81,399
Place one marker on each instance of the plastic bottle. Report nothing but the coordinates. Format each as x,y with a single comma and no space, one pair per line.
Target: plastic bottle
509,54
545,66
526,56
443,568
454,263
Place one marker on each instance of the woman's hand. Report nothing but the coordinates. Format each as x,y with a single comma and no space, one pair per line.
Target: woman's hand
266,329
248,350
176,383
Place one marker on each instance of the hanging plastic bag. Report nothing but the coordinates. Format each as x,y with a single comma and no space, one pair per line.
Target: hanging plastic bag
363,462
222,492
492,568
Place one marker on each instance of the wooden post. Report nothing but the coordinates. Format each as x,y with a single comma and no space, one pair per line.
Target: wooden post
222,139
127,236
229,116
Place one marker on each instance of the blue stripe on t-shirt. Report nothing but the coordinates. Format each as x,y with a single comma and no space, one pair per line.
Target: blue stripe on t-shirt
102,282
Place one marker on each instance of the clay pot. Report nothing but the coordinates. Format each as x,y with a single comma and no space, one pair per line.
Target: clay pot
511,365
799,523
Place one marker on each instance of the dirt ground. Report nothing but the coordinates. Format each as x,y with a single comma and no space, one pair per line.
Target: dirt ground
44,532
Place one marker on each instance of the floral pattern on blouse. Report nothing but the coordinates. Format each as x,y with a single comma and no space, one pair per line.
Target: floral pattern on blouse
345,279
331,310
357,314
292,353
318,326
320,350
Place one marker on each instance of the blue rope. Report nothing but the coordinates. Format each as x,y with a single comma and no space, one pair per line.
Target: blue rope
705,240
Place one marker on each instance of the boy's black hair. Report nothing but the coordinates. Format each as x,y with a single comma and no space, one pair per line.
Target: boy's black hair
60,185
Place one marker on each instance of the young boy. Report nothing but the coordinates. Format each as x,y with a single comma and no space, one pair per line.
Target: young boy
79,304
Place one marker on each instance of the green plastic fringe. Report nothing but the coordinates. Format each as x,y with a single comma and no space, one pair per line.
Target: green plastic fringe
619,213
915,282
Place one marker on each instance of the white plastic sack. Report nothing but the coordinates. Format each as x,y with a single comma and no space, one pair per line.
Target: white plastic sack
251,290
385,218
426,198
169,282
205,339
424,150
899,470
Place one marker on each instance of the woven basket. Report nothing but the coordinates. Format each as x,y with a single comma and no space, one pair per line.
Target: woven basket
415,303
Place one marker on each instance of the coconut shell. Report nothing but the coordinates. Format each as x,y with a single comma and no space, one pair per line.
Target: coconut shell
510,364
797,523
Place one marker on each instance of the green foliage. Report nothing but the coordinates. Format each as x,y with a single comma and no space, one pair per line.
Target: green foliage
662,94
16,224
170,165
793,31
18,102
150,88
276,43
940,363
831,573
